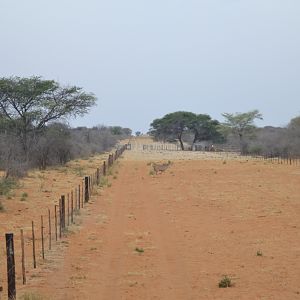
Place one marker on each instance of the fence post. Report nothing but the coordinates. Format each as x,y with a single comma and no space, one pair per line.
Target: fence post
68,201
55,211
33,245
82,195
98,176
90,186
63,211
11,273
86,186
42,236
23,257
60,217
49,224
72,210
79,196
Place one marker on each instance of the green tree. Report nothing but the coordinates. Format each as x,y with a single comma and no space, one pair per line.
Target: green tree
204,129
172,126
241,124
28,104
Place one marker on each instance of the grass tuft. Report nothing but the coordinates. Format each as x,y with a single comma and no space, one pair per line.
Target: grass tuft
24,197
31,296
225,282
139,250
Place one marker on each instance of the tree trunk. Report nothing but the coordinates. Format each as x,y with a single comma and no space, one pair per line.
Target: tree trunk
194,140
180,141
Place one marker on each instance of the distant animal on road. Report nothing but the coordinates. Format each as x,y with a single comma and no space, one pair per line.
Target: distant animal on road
159,168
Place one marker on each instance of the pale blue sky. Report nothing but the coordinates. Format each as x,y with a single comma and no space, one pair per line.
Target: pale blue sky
143,59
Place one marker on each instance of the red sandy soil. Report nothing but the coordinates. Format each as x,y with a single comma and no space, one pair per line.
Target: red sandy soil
42,190
197,221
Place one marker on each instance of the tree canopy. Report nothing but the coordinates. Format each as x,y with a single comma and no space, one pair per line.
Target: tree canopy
241,124
174,125
29,104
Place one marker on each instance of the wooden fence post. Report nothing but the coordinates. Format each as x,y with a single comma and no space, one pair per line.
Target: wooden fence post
72,198
55,210
63,211
60,218
90,186
72,210
33,245
82,195
42,237
11,273
23,257
49,225
79,196
68,201
86,191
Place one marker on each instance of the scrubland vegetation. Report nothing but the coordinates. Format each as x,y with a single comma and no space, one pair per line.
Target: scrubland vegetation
34,132
237,132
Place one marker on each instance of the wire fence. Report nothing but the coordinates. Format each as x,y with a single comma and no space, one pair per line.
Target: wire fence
26,249
287,159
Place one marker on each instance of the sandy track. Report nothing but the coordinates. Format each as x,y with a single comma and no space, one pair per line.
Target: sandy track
196,222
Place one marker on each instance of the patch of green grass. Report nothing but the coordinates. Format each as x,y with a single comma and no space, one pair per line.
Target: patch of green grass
109,173
151,172
6,185
24,197
109,184
31,296
259,253
139,250
225,282
1,207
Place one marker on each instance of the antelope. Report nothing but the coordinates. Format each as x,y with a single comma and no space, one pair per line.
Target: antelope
160,167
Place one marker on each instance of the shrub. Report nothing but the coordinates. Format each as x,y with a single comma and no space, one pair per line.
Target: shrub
6,185
225,282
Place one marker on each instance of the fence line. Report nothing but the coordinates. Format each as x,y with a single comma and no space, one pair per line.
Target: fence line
283,159
82,194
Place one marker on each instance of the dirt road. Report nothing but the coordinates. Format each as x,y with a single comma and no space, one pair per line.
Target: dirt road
174,235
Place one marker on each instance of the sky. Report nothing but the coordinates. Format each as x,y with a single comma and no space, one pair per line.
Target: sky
143,59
